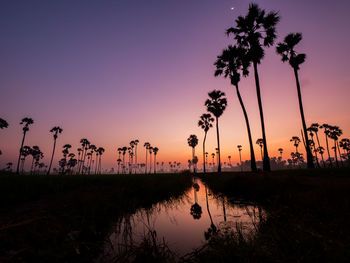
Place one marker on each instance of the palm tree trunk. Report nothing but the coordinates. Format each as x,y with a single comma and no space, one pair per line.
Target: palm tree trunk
146,162
205,137
342,164
96,163
309,157
252,155
218,139
261,153
329,155
53,152
155,163
266,160
20,152
240,160
335,153
319,146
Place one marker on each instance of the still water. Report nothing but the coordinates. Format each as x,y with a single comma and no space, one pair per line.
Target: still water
182,224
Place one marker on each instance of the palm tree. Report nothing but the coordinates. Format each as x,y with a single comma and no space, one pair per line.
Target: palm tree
296,141
314,128
155,151
146,145
25,152
321,151
136,142
93,149
229,159
205,123
216,104
192,142
100,151
286,50
240,157
26,121
313,145
55,130
260,142
3,124
254,32
231,62
335,133
150,149
124,149
213,156
84,146
281,152
326,131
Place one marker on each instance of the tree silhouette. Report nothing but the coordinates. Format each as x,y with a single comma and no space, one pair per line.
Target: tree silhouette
231,62
150,149
313,145
254,32
205,123
288,53
314,128
326,130
55,130
281,152
155,151
216,104
84,146
3,124
192,142
26,122
260,142
100,151
136,142
296,141
240,157
25,152
93,149
334,134
146,145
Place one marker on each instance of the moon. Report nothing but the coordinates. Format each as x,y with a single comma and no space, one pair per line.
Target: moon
232,8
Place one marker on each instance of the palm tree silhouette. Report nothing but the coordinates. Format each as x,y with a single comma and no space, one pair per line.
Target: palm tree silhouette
150,149
26,121
205,123
55,130
93,149
254,32
314,128
84,146
288,53
146,145
216,104
334,134
229,159
155,151
231,62
260,142
296,141
3,124
281,152
240,157
124,149
100,151
192,142
326,130
136,142
25,152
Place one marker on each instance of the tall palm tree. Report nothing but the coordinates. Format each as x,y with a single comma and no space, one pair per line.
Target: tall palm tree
296,141
3,124
281,152
25,152
124,150
335,133
93,149
288,53
26,122
146,145
240,157
192,142
260,142
326,130
155,151
253,32
100,151
150,149
205,123
314,128
216,104
136,142
232,63
55,130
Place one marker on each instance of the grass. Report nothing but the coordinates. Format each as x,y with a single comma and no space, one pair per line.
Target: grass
308,214
66,218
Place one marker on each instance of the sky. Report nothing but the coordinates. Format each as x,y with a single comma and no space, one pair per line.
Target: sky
115,71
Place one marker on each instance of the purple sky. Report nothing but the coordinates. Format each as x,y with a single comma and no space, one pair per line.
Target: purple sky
113,71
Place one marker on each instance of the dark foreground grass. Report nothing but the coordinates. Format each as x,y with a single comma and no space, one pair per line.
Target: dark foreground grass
66,218
308,215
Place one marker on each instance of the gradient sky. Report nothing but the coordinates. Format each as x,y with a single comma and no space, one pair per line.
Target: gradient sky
113,71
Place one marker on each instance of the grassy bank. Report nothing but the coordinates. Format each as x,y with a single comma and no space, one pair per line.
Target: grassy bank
66,218
308,214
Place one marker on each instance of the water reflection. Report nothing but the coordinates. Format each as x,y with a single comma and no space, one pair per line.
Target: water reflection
181,225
